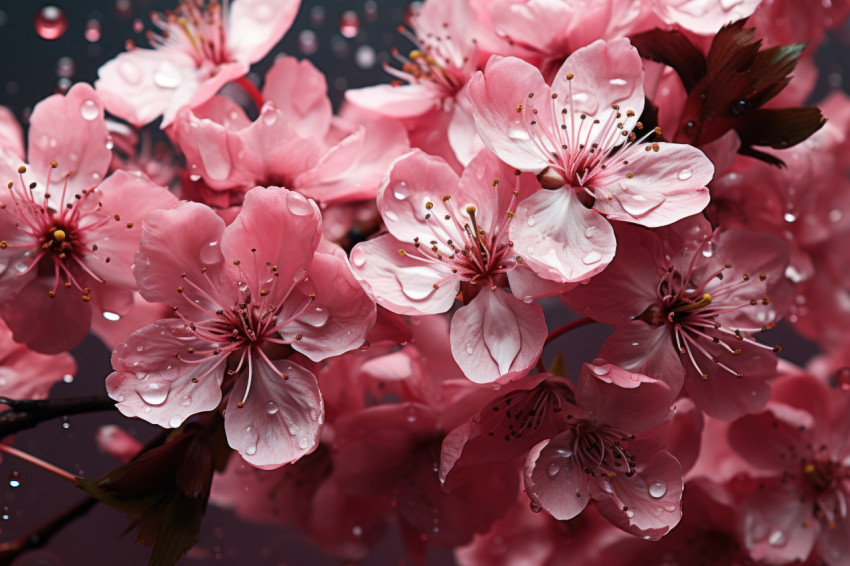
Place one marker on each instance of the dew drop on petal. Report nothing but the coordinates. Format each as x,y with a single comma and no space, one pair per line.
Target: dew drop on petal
390,215
617,82
187,400
89,110
155,393
518,134
167,76
777,538
401,191
657,489
531,221
298,205
553,469
175,421
50,22
468,349
535,508
358,257
685,174
251,450
111,316
591,258
630,514
600,370
303,443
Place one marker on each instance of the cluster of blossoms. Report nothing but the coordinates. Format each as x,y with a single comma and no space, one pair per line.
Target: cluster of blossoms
347,312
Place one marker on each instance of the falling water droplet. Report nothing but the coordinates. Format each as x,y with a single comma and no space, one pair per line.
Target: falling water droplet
658,489
92,31
50,22
15,479
349,24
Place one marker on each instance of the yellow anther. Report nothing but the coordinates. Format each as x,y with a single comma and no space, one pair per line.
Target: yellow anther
59,235
809,469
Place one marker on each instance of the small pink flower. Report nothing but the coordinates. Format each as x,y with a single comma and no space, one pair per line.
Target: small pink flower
799,444
201,48
577,137
244,294
686,302
67,235
449,235
294,143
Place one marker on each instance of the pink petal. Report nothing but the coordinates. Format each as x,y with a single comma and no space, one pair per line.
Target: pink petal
622,399
527,285
354,168
666,185
495,95
553,480
604,73
640,348
115,332
70,130
182,240
497,337
11,134
401,283
255,26
276,229
682,436
403,101
706,18
559,238
765,439
116,442
34,317
463,136
131,198
299,90
29,375
341,315
281,419
150,383
777,514
653,495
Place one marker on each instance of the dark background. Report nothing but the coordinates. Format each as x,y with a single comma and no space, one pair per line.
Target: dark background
33,68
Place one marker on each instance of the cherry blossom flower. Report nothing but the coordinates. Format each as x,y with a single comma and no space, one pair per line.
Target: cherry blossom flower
67,234
799,444
201,47
687,303
244,295
577,137
294,143
449,235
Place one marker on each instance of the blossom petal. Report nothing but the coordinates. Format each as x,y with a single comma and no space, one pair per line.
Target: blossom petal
299,90
643,349
281,419
403,101
150,383
553,480
779,515
559,238
11,134
255,26
497,337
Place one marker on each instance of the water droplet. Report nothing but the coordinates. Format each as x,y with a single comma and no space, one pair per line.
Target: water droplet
518,134
580,97
271,408
298,205
111,316
358,257
468,349
121,398
92,31
308,43
531,221
685,174
390,215
600,370
630,514
658,489
349,24
589,231
15,479
68,378
89,110
553,469
50,22
66,422
777,538
167,76
175,421
365,57
317,318
617,82
108,142
591,258
251,450
535,508
303,443
155,393
401,191
65,67
789,217
269,115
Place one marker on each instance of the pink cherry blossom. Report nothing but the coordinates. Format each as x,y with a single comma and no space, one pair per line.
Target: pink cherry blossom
577,137
449,235
799,444
294,143
202,47
635,483
688,302
67,234
243,294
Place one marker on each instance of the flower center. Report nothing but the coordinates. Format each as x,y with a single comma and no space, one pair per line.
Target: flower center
195,29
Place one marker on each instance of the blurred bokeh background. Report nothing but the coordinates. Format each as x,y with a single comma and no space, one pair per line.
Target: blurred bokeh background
45,48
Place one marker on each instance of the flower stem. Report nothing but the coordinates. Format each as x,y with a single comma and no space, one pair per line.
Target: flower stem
578,323
252,91
11,450
26,414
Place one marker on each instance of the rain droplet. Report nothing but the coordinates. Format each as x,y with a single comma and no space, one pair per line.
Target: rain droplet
777,538
685,174
789,217
251,450
468,349
401,191
167,76
553,469
591,258
518,134
111,316
303,443
349,24
89,110
390,215
271,408
50,22
68,378
657,489
298,205
92,31
617,82
155,393
175,421
15,479
358,257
